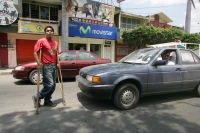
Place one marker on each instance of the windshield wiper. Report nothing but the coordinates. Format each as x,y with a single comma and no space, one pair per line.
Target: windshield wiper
127,62
139,63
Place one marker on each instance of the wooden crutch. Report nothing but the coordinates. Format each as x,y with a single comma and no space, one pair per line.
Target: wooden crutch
38,81
60,80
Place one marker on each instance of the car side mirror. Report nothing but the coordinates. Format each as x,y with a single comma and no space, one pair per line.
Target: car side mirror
159,63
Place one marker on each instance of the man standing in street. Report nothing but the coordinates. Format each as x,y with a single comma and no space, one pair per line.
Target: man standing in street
48,63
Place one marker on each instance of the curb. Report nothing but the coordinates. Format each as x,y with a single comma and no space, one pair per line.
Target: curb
6,73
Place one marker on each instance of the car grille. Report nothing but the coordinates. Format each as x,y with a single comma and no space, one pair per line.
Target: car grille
82,74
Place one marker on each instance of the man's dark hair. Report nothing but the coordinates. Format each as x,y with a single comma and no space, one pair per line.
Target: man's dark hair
48,27
167,52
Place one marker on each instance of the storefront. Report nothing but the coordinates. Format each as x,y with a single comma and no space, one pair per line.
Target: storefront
91,33
103,48
95,38
23,41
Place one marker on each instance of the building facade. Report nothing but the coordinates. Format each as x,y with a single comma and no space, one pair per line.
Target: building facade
127,21
159,20
91,27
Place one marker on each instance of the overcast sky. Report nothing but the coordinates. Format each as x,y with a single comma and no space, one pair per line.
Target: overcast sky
174,9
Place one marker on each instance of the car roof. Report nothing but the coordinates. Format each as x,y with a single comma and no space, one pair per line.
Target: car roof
163,48
76,51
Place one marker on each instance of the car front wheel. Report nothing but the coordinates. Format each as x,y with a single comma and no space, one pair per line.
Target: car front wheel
126,96
33,77
196,91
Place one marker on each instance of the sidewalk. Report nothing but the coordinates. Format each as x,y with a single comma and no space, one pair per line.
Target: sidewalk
6,71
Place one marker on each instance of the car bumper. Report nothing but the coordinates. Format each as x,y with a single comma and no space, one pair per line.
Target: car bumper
94,91
20,74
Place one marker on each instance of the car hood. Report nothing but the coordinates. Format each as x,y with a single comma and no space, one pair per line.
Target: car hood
113,68
31,64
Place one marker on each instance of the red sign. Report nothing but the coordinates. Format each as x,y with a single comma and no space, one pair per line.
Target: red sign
118,1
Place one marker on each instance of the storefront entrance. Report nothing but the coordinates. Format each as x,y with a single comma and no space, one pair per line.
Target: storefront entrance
101,47
3,50
24,50
96,48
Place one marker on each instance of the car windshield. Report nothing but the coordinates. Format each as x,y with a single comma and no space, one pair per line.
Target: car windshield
141,56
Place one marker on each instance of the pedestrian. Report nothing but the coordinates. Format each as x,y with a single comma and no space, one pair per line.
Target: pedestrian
48,64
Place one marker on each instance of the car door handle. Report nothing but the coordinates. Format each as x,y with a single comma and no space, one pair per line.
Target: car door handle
73,63
178,69
94,62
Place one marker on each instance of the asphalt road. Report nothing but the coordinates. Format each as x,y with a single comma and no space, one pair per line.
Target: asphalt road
169,113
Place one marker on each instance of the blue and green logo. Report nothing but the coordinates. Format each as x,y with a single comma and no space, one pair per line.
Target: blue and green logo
85,31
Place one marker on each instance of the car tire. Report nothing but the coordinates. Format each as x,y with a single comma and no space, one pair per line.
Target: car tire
33,77
196,91
126,96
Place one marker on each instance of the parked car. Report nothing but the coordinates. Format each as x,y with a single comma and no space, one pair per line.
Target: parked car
71,62
142,72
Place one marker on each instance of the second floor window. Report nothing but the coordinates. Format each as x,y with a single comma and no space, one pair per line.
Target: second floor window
39,12
129,23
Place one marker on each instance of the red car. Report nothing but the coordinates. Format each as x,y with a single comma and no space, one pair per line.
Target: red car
71,62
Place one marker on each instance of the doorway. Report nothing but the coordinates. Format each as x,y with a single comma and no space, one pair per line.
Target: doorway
96,48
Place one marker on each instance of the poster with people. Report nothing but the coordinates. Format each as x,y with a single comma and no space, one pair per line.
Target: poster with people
8,12
89,11
106,13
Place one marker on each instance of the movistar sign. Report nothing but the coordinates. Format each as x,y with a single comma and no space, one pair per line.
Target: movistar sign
88,30
92,31
109,33
85,31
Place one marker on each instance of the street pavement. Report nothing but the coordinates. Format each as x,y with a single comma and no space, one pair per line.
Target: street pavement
168,113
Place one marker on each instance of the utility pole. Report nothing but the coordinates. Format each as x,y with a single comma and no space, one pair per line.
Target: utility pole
188,17
64,42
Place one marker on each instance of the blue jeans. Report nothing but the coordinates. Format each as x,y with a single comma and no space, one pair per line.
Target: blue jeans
49,81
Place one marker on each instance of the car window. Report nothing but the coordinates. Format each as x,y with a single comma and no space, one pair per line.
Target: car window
159,58
173,57
196,59
141,56
169,56
85,56
68,56
187,57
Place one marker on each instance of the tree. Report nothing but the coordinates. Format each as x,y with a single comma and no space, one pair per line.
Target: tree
188,15
148,35
66,7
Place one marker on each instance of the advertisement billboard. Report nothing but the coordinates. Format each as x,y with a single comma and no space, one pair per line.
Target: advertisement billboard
35,27
91,31
8,12
89,11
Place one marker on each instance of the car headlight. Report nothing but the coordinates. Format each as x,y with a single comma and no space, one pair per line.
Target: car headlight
94,79
19,68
